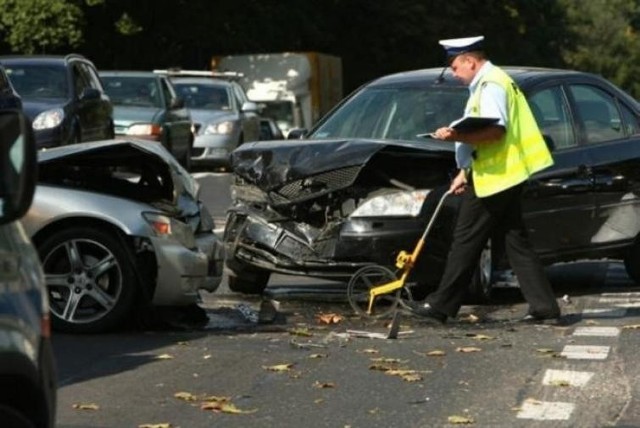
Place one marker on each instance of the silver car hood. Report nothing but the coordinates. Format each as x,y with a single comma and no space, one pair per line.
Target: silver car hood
118,168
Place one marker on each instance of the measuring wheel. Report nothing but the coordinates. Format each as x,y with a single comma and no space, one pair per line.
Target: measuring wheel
364,280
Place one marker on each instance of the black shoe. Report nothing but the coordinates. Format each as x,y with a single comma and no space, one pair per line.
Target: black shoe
535,319
425,310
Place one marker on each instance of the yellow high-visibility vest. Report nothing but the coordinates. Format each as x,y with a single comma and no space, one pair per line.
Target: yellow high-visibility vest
521,151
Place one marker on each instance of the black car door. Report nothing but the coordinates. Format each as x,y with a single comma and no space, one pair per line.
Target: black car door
559,202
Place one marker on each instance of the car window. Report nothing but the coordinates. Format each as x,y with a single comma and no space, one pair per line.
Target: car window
132,91
91,77
201,96
240,95
598,113
631,126
549,107
38,81
395,113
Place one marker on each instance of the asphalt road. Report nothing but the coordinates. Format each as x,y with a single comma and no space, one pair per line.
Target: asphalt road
314,366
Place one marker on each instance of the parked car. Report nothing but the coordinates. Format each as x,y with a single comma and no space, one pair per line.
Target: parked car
27,366
147,106
223,116
63,97
118,226
361,186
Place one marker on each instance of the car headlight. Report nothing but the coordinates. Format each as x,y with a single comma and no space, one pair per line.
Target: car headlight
144,129
48,119
225,127
393,204
167,227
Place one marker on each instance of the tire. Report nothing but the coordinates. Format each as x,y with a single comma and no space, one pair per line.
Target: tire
632,262
249,282
12,418
481,285
91,282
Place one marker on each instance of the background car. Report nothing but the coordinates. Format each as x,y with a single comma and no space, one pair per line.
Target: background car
269,130
119,228
362,185
223,116
146,106
27,366
63,97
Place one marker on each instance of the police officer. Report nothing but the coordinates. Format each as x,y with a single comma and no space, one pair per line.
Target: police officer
501,157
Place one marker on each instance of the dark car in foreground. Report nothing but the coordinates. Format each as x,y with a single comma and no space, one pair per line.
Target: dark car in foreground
27,367
120,230
361,185
63,97
145,105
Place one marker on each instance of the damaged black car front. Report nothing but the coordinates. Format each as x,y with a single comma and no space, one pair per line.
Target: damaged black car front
356,191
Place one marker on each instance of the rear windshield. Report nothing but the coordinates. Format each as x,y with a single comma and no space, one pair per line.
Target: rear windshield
133,91
200,96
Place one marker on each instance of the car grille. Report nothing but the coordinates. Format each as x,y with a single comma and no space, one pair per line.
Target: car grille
314,186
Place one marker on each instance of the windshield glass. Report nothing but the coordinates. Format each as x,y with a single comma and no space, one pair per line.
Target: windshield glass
399,113
200,96
132,91
38,81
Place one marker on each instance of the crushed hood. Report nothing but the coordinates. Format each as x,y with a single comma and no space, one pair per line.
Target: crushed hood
270,164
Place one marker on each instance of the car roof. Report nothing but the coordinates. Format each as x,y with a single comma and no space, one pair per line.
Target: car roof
39,59
128,73
524,76
200,80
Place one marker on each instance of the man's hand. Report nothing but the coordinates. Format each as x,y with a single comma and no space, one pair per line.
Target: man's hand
459,183
446,133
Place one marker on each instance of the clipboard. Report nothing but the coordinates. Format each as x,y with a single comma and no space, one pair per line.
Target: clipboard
470,123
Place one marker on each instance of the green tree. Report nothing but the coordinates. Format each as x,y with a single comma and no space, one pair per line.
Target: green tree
40,26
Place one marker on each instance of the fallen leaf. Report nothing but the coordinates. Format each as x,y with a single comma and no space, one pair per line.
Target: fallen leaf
470,318
300,332
436,353
368,351
460,420
545,350
164,357
206,357
330,318
319,400
387,360
164,425
279,367
631,327
559,382
321,385
218,398
467,349
480,336
318,356
224,407
592,322
381,367
86,406
186,396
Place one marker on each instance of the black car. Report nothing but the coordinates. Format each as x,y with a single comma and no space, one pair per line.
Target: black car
27,367
362,185
63,97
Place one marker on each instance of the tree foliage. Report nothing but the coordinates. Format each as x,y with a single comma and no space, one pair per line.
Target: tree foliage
372,37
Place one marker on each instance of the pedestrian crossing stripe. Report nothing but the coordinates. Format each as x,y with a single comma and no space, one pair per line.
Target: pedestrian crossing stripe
566,378
597,331
604,313
582,352
545,410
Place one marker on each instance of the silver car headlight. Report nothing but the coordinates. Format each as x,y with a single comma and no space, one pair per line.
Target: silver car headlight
225,128
397,204
48,119
169,228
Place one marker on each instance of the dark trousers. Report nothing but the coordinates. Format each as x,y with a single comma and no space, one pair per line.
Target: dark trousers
478,219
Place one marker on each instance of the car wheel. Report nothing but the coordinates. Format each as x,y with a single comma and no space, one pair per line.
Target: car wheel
10,417
482,282
249,282
632,262
90,280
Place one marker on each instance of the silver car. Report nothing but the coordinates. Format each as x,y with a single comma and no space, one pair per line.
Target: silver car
223,117
118,225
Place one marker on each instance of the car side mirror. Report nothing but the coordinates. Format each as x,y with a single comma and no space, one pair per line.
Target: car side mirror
296,134
90,94
176,103
17,166
249,107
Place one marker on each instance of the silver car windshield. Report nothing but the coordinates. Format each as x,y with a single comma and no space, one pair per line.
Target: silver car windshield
399,113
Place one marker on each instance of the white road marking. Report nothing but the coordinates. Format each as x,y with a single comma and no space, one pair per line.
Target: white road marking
597,331
629,294
581,352
566,378
604,313
545,410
